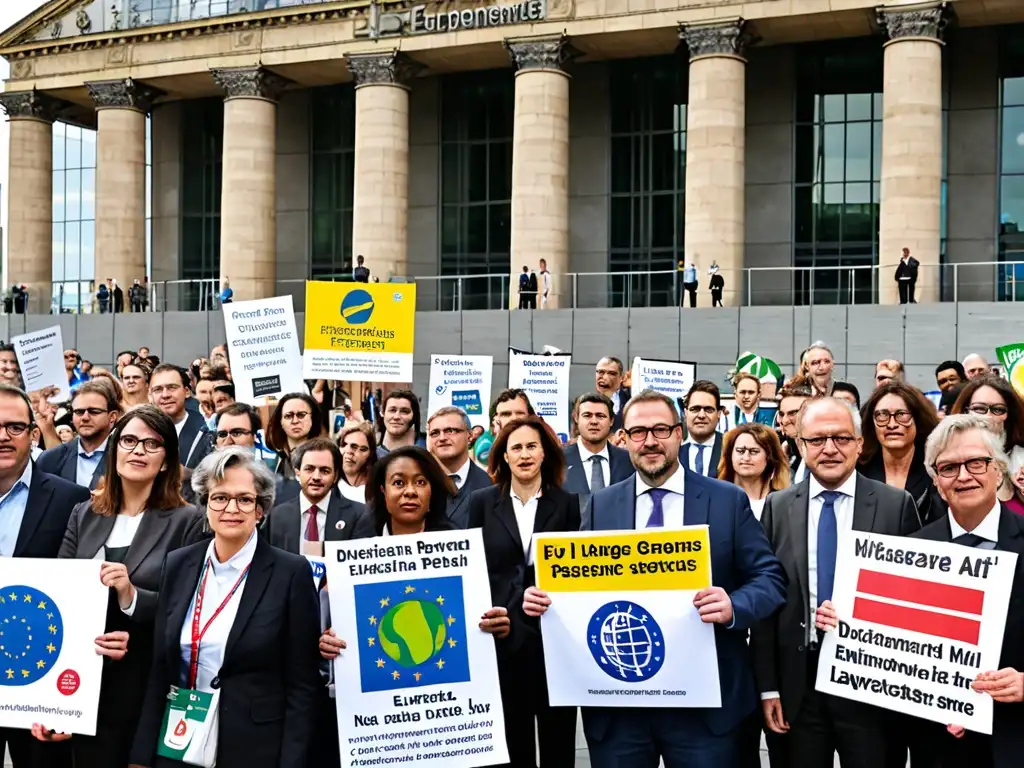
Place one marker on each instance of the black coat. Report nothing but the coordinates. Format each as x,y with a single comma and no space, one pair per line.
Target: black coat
458,505
284,523
50,501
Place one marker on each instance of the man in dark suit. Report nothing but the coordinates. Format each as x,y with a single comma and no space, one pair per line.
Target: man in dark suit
791,400
803,524
749,585
83,460
320,513
168,391
702,450
34,511
906,277
448,433
591,463
608,376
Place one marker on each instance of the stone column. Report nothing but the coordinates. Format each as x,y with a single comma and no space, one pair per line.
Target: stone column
716,151
911,187
540,165
30,195
380,201
121,109
248,212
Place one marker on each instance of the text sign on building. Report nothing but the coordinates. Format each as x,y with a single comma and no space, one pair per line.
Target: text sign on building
428,19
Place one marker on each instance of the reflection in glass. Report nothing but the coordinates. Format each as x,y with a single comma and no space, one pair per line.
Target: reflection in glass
1010,277
74,212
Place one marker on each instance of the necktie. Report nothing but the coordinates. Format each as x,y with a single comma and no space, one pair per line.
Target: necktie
596,475
657,518
974,540
828,543
455,482
312,531
698,462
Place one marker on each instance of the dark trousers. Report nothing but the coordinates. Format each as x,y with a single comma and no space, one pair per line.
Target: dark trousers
109,748
324,751
524,699
691,288
27,752
527,300
637,738
907,291
716,297
905,734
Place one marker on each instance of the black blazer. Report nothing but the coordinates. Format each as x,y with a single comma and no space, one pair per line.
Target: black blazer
159,532
1003,749
458,505
930,504
283,525
576,480
491,510
269,682
624,395
193,442
714,458
780,642
62,461
366,526
49,505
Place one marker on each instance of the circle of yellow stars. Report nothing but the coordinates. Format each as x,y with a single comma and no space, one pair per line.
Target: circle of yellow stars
372,641
13,656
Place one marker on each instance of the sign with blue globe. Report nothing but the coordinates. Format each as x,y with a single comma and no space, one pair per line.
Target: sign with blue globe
626,641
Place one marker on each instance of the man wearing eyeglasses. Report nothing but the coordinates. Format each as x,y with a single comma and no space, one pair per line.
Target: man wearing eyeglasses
448,435
806,728
749,586
34,511
83,460
702,450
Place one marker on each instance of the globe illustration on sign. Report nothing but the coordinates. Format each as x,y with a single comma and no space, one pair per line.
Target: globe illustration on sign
356,307
412,632
626,641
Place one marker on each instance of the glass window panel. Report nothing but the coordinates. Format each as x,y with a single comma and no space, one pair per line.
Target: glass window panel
58,247
475,229
475,170
149,191
500,229
72,242
828,213
58,148
622,168
806,154
1013,91
662,162
876,150
1012,204
88,193
834,107
500,164
73,148
73,186
858,106
877,105
1013,140
662,221
835,155
806,106
858,151
449,231
475,118
804,214
88,149
501,111
450,167
621,222
59,197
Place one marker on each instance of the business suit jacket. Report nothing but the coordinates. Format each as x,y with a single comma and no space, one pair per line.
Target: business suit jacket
1004,748
576,478
62,461
193,442
49,505
366,526
283,526
930,505
714,458
780,642
742,563
269,682
458,505
624,395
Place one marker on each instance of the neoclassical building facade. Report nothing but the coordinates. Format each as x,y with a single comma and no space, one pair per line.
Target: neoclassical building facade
273,140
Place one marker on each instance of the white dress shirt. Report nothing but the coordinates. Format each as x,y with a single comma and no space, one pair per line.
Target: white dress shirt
221,579
180,425
461,476
88,461
709,447
587,460
526,517
355,493
987,529
757,507
844,522
321,515
671,505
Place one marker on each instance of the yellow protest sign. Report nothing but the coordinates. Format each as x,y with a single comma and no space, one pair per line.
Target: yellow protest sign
636,561
359,331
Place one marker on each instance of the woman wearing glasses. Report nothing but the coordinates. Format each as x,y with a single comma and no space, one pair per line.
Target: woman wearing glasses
240,617
897,422
752,459
996,400
358,456
134,519
295,420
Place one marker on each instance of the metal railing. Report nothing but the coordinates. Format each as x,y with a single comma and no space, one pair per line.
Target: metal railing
754,286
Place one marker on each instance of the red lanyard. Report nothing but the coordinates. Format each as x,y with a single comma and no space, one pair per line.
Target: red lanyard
197,633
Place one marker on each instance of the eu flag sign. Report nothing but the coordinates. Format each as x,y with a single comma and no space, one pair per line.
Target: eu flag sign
31,635
411,633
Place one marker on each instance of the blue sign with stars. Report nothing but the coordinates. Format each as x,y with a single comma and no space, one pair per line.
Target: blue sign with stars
31,634
411,633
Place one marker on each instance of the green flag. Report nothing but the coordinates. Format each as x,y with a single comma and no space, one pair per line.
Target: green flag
762,367
1012,358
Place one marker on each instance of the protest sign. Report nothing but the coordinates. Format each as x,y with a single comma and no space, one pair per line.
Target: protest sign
359,331
669,378
918,621
545,379
463,381
1012,358
41,359
265,357
622,630
420,679
51,612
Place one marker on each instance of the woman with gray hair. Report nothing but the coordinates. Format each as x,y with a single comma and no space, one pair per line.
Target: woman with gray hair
239,618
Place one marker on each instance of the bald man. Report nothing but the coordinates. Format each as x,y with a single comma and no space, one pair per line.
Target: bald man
975,366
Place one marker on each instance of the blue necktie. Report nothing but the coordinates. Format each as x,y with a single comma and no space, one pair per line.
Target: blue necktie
698,462
657,518
828,543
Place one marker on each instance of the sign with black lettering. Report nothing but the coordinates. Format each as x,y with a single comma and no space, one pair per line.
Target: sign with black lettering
263,349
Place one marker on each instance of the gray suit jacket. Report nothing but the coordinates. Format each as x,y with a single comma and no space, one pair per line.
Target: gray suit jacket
283,525
62,461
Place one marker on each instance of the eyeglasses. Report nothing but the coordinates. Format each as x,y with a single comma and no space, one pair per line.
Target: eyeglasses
149,444
168,388
660,431
15,428
977,466
80,412
447,431
295,416
903,418
839,441
984,409
751,452
224,434
708,409
218,502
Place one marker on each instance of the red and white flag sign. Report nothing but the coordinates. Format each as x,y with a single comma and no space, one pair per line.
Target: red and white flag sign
918,621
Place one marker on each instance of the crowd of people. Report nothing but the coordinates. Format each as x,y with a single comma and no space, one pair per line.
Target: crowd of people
192,500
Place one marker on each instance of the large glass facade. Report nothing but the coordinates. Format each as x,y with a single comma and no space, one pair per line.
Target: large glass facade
476,188
1011,165
838,161
332,171
74,217
648,178
201,152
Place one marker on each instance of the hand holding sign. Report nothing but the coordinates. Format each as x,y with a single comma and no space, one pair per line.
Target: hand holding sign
1006,685
825,618
535,602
